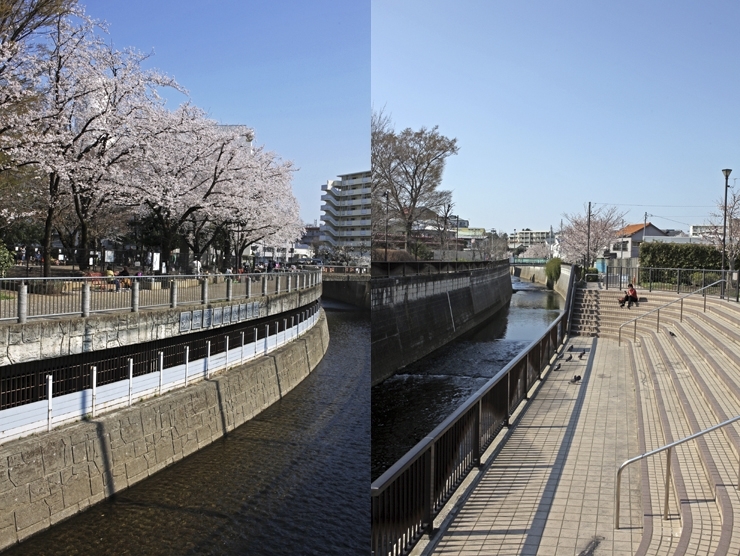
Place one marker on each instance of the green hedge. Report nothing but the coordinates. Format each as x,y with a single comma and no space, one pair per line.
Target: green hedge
675,255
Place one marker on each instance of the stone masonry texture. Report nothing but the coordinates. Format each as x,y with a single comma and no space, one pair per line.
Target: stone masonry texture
51,476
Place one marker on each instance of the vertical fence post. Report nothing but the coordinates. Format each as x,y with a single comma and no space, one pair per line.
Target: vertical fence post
208,359
161,370
650,278
427,519
130,381
173,293
86,299
204,291
277,283
242,354
135,295
678,280
255,341
49,381
667,482
476,433
249,286
290,283
229,288
226,340
267,335
187,363
22,303
264,284
94,389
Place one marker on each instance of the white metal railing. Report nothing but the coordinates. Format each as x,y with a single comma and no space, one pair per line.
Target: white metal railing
669,449
38,416
657,310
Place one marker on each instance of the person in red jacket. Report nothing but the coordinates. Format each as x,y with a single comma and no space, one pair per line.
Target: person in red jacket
630,297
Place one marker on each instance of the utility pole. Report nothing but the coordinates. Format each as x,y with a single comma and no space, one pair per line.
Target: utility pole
588,238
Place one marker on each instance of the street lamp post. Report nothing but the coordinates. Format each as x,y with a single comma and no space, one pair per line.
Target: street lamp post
726,172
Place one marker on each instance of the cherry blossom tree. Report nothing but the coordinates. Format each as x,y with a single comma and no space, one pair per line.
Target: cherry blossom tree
88,98
605,221
537,251
88,120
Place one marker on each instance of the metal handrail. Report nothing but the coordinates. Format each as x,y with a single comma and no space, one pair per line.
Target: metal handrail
668,447
406,533
634,337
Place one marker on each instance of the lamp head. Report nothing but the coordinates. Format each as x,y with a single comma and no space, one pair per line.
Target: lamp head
726,172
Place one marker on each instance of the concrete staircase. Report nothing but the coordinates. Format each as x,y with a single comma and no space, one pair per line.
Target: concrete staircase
687,373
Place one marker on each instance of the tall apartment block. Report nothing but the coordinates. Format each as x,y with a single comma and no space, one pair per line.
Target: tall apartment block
346,204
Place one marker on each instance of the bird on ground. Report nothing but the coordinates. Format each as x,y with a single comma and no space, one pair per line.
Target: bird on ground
576,378
580,355
671,333
570,348
557,367
569,357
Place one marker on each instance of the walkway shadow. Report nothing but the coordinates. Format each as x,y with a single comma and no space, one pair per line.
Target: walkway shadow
539,520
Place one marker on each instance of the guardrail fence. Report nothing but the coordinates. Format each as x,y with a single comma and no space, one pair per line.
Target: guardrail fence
679,280
407,497
24,298
87,383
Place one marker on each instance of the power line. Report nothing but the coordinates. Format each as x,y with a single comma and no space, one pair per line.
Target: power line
659,206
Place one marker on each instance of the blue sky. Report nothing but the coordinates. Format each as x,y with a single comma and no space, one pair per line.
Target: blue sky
296,71
555,104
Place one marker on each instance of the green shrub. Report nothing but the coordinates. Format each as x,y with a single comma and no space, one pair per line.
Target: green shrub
552,269
7,260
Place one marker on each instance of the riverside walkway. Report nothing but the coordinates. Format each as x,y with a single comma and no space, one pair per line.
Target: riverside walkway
549,487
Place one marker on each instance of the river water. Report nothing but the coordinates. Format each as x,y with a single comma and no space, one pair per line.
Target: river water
407,406
294,480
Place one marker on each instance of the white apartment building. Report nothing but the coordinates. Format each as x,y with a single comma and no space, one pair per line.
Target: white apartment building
346,205
527,238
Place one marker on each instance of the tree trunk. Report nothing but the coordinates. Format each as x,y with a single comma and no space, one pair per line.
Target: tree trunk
48,227
85,248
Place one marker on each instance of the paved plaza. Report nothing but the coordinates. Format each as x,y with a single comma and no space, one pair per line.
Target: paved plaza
549,487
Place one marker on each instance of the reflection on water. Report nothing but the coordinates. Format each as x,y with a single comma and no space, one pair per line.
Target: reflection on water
407,406
293,480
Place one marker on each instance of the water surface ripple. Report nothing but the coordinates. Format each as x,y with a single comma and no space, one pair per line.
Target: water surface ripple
407,406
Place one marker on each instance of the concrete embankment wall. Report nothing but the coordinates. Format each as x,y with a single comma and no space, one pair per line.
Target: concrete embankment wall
414,315
62,336
351,289
537,274
49,477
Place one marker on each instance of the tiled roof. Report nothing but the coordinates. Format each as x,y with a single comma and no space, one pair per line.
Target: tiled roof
631,229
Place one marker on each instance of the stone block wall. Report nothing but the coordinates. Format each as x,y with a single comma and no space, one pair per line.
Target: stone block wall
351,289
537,274
42,339
49,477
415,315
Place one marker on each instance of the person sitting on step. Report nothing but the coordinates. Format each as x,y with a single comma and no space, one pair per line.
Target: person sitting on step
630,297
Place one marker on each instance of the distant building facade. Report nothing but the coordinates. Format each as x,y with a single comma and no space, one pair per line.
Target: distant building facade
346,205
527,238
